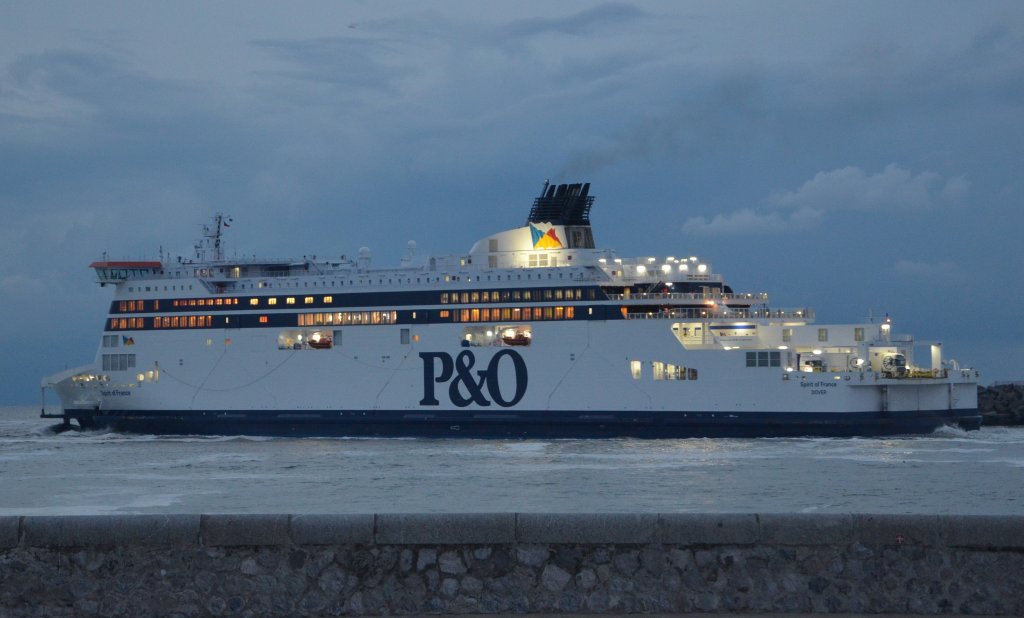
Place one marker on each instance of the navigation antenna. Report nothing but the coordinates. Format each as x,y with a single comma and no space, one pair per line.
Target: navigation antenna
209,247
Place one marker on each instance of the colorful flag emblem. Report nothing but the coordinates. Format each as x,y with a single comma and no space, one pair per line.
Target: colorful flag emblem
545,240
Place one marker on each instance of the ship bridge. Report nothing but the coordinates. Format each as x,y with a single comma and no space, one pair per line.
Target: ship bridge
117,272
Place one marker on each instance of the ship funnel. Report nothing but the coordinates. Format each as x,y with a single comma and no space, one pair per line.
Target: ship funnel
564,204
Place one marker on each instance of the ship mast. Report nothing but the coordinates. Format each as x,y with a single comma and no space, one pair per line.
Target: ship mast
209,247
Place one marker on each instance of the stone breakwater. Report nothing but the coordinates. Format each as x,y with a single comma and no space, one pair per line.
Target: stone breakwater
1002,404
324,565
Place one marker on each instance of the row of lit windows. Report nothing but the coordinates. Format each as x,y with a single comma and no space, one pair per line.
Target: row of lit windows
197,302
348,318
128,306
290,300
185,321
512,314
498,296
485,296
485,314
662,371
858,334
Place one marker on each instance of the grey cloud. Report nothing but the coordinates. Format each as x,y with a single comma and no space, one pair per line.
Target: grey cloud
347,61
893,188
748,221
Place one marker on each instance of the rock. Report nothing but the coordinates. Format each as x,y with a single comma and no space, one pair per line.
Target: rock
450,562
532,555
554,578
427,557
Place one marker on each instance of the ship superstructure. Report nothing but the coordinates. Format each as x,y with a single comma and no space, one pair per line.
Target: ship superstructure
534,332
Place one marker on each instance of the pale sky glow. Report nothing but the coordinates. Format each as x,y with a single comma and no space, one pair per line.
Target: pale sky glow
855,157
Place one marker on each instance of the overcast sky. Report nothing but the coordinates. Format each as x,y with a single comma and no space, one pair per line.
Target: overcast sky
854,157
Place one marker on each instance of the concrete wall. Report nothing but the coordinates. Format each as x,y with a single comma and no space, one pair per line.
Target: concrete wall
256,565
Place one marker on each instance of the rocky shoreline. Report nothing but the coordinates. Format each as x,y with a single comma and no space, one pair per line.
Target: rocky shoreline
1001,403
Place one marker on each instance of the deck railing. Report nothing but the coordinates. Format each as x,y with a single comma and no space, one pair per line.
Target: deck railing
720,313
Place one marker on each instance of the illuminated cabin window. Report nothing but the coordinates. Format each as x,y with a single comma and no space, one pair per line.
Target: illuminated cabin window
662,371
348,318
486,314
185,321
444,314
271,301
307,339
497,335
254,301
308,300
444,298
264,319
290,300
328,300
669,371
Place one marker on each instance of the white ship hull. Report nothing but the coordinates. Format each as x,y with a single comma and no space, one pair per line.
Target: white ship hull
601,360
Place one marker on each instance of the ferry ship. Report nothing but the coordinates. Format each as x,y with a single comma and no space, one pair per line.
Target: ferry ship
534,332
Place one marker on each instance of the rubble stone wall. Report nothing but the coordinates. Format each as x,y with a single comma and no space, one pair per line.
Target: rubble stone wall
326,565
1002,403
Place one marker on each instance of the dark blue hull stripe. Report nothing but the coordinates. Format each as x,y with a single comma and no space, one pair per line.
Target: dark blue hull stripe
534,424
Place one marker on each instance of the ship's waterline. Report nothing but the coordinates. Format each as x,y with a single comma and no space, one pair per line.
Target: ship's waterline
947,472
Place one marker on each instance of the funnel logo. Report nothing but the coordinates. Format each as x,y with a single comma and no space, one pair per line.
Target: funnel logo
545,240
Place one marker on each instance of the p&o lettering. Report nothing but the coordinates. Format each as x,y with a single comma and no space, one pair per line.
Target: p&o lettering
468,387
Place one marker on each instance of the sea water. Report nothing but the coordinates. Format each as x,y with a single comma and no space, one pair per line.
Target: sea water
949,471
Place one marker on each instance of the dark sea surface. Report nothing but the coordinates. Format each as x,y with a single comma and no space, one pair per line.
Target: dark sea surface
950,471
